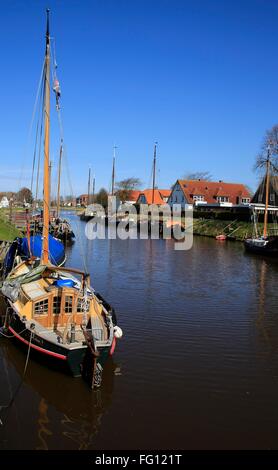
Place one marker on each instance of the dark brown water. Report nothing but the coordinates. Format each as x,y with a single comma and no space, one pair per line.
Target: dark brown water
197,366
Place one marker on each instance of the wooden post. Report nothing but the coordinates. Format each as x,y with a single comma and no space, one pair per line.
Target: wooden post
154,170
266,192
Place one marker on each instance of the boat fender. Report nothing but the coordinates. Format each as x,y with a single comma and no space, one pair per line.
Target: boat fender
118,332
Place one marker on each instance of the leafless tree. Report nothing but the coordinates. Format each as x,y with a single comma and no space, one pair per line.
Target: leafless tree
198,175
124,187
269,148
24,195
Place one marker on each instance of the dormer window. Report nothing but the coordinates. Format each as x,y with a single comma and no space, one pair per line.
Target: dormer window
222,199
198,197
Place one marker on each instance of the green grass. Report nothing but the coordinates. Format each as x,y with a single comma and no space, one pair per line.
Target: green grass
8,231
237,230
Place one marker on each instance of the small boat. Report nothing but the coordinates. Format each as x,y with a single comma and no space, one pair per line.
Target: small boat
53,311
61,229
262,245
221,237
266,244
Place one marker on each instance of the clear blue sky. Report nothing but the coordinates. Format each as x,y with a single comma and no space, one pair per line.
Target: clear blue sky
198,76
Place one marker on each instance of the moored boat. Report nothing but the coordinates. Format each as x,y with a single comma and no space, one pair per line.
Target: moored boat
53,311
221,237
266,244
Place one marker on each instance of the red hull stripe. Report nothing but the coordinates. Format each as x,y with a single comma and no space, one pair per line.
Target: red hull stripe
34,346
113,346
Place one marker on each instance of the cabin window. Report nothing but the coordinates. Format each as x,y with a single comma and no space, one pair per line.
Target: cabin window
68,303
56,304
79,307
41,307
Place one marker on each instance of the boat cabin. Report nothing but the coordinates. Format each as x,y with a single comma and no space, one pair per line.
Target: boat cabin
56,302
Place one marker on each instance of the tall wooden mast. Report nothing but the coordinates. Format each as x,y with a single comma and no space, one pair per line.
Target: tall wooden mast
113,170
267,190
46,198
154,170
59,178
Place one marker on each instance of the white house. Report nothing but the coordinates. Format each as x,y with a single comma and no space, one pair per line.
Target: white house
210,193
4,203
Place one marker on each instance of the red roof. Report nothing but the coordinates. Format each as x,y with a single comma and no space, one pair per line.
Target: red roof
159,194
133,195
211,190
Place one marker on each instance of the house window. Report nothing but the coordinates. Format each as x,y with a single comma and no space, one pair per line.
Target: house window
176,199
260,198
222,199
56,304
198,197
41,307
79,307
272,197
68,304
245,200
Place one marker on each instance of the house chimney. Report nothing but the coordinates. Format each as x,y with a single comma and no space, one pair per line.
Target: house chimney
220,181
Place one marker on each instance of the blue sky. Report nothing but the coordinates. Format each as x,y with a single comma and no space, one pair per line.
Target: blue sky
198,76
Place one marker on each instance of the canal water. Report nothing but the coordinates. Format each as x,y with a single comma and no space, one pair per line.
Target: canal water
197,367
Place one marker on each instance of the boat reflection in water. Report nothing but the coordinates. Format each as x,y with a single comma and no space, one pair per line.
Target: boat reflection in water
65,412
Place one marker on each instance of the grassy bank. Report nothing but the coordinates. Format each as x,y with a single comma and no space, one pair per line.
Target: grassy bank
235,230
8,231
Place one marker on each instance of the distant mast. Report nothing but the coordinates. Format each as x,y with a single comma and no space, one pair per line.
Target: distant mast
154,170
94,185
267,191
89,186
113,170
46,198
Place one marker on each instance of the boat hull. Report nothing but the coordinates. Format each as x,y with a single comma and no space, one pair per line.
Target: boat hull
269,249
52,355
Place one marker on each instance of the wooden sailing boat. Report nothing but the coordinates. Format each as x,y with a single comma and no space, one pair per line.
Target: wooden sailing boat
54,311
266,244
